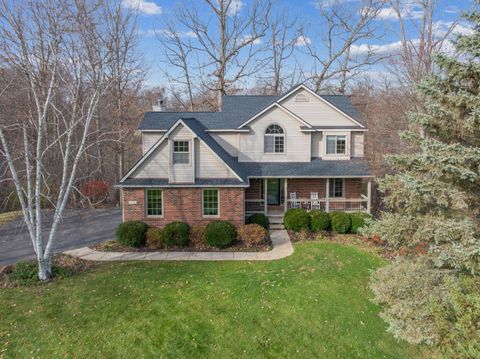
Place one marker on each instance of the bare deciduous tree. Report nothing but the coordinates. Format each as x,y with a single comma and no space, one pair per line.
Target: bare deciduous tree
218,51
420,39
126,73
61,53
278,73
342,25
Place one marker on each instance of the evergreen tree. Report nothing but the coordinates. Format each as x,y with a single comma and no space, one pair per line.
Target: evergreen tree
434,200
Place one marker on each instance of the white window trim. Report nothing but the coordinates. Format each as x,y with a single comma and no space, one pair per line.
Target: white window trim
333,190
218,203
347,145
284,135
146,203
189,152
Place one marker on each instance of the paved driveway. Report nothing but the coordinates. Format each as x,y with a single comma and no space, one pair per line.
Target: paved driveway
79,228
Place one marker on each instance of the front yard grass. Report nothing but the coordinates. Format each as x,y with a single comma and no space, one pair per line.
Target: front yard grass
314,304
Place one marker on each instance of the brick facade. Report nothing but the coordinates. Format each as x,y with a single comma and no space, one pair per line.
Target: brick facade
304,186
184,204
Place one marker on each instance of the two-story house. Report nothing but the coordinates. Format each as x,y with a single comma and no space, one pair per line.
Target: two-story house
258,154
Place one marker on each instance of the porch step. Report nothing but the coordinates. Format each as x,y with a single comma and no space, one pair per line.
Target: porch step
275,219
276,226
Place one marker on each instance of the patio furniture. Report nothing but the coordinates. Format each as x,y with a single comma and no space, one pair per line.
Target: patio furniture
294,203
314,201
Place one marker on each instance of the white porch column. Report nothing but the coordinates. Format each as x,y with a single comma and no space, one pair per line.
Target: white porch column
327,195
265,196
285,188
369,195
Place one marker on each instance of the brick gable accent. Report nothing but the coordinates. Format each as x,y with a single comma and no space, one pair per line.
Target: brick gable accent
184,204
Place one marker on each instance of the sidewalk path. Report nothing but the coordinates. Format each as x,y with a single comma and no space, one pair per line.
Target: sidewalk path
282,247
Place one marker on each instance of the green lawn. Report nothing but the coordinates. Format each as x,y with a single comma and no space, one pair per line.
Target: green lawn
314,304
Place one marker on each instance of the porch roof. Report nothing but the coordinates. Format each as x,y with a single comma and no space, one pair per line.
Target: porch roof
315,168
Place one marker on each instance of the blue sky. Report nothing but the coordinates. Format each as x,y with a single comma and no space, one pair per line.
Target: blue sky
152,15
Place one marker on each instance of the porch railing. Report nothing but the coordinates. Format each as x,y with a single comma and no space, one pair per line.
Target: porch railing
323,204
331,204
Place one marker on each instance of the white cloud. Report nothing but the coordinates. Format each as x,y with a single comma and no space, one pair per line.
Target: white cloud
385,49
451,9
257,41
145,7
155,32
441,27
235,7
408,11
302,41
323,4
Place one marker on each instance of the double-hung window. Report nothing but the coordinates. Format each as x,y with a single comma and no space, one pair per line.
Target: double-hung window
336,145
181,152
154,202
274,139
210,202
336,188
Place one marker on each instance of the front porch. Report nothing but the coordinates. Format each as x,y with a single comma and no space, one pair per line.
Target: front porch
325,194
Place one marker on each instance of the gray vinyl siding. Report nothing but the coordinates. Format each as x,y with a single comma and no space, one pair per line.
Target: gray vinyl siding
208,165
357,144
149,139
182,173
157,165
297,144
315,111
229,141
317,144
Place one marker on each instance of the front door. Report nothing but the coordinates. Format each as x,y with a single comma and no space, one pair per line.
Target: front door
273,191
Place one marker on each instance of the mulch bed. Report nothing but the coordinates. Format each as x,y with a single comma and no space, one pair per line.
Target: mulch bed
114,246
70,266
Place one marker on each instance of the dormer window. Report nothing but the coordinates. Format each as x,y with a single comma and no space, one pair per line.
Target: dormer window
181,152
274,139
336,145
301,97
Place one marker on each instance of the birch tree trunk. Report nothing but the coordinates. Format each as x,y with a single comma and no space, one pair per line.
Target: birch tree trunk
61,52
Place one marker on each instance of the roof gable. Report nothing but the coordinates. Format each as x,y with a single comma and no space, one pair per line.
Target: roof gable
339,106
198,131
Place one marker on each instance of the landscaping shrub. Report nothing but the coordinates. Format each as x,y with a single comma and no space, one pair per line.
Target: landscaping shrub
296,219
340,222
197,237
176,234
220,234
155,238
26,272
259,218
132,233
252,234
319,221
358,221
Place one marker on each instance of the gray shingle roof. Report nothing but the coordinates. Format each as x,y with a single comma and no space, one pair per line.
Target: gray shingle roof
344,104
199,129
235,111
315,168
163,182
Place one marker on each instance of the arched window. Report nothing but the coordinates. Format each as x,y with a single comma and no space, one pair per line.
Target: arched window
274,139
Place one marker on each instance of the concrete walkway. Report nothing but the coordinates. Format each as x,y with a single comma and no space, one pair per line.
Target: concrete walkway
282,247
